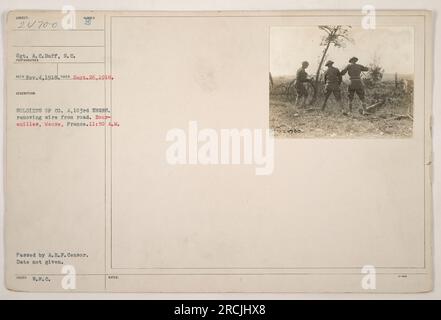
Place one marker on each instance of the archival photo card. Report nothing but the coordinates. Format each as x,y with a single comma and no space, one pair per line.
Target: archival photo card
248,152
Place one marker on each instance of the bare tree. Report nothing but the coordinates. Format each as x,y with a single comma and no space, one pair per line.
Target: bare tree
375,73
336,36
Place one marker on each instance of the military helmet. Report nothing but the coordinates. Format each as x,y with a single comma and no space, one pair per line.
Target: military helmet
353,59
329,63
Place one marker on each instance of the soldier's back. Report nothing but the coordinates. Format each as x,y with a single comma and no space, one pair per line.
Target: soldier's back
354,70
301,75
332,75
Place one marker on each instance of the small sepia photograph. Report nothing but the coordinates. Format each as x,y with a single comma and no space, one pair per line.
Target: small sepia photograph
341,81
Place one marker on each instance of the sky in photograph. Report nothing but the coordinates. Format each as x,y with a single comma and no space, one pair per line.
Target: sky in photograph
393,46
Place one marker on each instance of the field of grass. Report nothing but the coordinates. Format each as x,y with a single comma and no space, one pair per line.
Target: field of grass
393,119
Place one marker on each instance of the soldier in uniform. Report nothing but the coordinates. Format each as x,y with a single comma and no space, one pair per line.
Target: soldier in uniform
333,81
356,86
301,78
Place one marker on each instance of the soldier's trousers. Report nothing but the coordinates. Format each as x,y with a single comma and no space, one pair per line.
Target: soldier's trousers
358,91
356,87
301,90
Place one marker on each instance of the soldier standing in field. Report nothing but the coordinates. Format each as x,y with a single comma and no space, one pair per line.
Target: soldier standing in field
301,79
356,86
333,81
